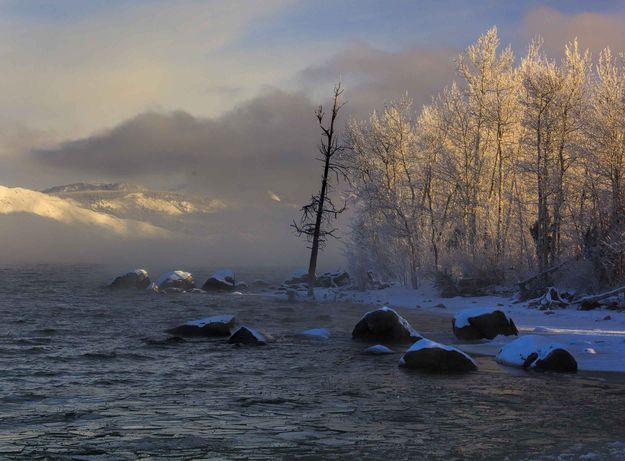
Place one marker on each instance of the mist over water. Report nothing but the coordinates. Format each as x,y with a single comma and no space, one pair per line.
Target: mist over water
90,373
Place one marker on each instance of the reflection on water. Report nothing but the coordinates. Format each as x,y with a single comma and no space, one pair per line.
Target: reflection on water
86,372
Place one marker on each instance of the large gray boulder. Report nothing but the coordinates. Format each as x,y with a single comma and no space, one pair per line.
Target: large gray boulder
537,352
482,323
137,279
431,356
217,325
386,326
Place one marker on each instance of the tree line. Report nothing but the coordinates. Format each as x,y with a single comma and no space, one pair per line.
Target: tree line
514,168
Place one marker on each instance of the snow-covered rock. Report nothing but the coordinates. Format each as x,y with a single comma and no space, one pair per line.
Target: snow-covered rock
246,335
537,352
175,279
217,325
322,333
378,349
385,325
480,323
137,279
433,356
221,280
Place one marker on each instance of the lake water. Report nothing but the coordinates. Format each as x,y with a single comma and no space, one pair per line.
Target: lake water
86,373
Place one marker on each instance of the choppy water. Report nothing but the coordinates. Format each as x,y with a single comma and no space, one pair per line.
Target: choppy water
88,374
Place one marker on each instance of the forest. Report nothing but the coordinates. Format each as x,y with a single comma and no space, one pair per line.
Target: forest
516,167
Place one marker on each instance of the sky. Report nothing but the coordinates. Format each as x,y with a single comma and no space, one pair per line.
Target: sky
218,97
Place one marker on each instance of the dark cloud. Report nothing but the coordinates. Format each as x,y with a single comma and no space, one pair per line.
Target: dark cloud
373,77
266,144
594,31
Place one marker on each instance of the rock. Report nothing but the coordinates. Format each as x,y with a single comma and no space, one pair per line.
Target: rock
297,277
431,356
378,349
260,284
537,352
482,323
607,317
175,279
241,286
385,325
218,325
137,279
222,280
246,335
322,333
441,306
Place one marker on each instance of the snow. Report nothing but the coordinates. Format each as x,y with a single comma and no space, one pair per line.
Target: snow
461,319
213,319
576,330
317,332
516,352
173,275
428,344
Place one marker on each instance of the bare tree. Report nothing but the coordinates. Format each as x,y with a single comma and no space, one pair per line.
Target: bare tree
318,214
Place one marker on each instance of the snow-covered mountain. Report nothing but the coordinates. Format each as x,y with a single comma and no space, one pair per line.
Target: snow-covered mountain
28,202
126,201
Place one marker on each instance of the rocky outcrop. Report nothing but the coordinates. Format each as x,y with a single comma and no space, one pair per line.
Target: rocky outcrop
386,326
137,279
432,356
539,353
482,323
218,325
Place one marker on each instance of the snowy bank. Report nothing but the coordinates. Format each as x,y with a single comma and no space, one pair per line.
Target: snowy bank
596,338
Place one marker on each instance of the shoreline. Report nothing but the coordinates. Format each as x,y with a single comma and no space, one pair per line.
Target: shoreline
596,337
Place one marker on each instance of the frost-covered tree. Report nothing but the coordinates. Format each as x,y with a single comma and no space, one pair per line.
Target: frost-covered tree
510,169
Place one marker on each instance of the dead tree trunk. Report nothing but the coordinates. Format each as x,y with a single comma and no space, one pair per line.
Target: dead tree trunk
321,210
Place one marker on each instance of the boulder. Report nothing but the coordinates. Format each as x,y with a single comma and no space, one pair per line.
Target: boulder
246,335
333,280
384,325
432,356
537,352
137,279
482,323
175,279
218,325
222,280
378,349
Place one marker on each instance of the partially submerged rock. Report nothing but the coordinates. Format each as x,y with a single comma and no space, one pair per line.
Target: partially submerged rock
175,279
537,352
246,335
137,279
321,333
432,356
217,325
378,349
385,325
482,323
221,280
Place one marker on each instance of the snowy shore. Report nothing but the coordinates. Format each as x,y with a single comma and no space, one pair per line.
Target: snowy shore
596,338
